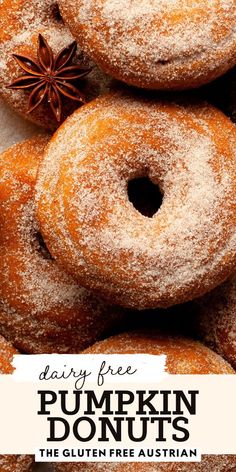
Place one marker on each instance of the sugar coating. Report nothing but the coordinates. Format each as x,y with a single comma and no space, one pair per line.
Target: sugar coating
42,309
93,230
16,463
209,463
216,319
19,29
183,355
7,352
156,43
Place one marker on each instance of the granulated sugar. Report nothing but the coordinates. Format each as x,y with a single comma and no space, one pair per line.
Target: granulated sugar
188,246
42,309
19,31
156,43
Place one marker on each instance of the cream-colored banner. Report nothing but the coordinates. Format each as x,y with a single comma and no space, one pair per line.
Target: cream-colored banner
114,408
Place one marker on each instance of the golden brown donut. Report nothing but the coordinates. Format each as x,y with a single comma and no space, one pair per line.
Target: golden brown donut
16,463
21,22
216,319
184,356
156,44
7,351
208,464
11,463
41,308
94,231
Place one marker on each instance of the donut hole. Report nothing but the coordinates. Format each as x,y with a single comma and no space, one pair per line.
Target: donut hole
145,196
163,62
55,13
40,246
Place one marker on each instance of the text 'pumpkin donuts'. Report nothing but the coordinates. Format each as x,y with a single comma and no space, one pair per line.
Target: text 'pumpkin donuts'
11,463
156,44
42,309
97,234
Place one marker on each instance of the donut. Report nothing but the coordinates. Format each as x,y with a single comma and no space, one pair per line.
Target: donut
21,22
156,44
216,319
7,351
209,463
42,309
98,235
184,356
11,463
16,463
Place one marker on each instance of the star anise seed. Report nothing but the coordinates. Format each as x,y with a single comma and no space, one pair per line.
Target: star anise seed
50,77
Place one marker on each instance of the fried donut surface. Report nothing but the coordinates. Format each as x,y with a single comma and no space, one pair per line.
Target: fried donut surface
21,22
16,463
7,351
156,44
91,227
11,463
41,308
208,464
216,319
184,356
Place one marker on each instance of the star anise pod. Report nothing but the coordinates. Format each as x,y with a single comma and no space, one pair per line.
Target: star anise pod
50,77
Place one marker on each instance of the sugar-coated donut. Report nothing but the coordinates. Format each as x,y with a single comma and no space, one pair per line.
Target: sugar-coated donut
216,319
156,44
16,463
21,22
184,356
7,351
42,309
209,463
91,227
11,463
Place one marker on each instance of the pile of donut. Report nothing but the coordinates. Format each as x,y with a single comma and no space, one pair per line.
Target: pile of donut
119,229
